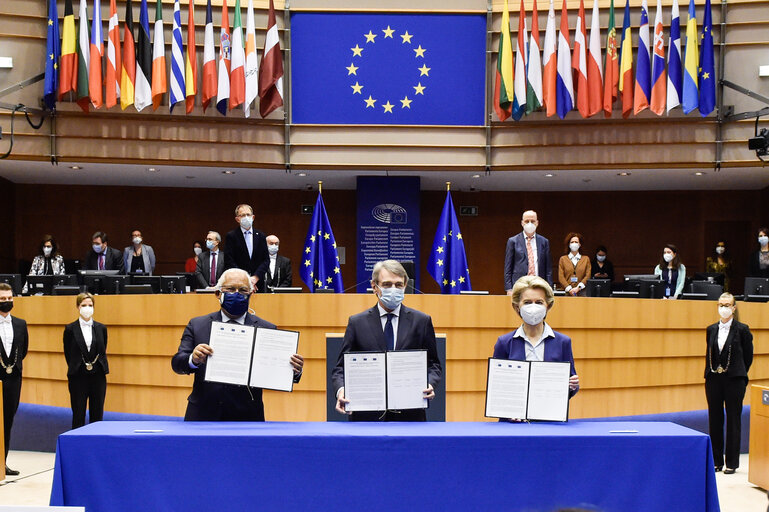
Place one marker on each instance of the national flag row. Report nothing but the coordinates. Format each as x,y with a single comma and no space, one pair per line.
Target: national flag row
139,75
566,77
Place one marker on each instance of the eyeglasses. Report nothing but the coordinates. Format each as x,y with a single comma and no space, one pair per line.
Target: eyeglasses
242,290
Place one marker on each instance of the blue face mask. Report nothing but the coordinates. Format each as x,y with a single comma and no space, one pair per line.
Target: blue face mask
97,248
209,244
234,303
391,297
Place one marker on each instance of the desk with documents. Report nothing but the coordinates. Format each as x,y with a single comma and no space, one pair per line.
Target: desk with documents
167,466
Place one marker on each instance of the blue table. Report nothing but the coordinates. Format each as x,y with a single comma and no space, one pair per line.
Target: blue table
108,466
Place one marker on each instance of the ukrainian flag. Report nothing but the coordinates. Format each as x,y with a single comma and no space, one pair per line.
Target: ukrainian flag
691,61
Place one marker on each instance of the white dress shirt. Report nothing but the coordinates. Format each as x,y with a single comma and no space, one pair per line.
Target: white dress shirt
535,352
248,234
574,260
383,318
87,329
6,332
723,333
273,263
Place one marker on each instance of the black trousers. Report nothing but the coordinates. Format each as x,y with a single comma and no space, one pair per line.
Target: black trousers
11,395
722,392
87,389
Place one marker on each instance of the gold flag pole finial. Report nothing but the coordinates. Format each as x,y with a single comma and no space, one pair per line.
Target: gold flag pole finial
448,186
320,187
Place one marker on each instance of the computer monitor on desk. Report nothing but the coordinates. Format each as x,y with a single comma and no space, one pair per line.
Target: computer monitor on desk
114,285
153,281
756,289
138,289
652,289
14,280
173,284
711,289
598,288
43,285
95,283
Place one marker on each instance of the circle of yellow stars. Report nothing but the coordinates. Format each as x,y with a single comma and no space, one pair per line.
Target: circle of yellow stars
419,53
439,261
307,250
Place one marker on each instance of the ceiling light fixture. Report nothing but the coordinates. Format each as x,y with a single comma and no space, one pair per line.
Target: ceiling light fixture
75,167
228,172
623,174
151,169
549,175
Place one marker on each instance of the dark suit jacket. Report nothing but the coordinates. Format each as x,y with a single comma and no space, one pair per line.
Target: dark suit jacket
517,259
754,267
364,334
557,349
203,268
236,255
282,275
212,401
18,349
75,350
113,260
740,341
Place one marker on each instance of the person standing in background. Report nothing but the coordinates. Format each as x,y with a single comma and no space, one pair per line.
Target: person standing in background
727,361
85,350
573,268
527,253
247,247
191,263
139,257
213,258
279,272
719,263
758,266
671,271
103,257
602,268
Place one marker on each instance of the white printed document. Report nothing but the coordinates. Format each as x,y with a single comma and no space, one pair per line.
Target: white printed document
525,390
378,381
251,356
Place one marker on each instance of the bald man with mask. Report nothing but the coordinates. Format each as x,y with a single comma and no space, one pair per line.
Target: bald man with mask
527,253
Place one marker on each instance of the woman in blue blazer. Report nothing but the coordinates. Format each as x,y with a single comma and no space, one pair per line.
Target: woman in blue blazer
534,340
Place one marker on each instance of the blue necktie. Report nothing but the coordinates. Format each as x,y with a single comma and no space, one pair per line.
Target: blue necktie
249,243
389,334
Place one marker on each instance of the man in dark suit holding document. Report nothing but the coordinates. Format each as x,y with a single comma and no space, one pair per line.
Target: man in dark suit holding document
213,401
389,326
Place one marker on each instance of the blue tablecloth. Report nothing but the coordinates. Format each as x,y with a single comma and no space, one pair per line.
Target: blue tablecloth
108,466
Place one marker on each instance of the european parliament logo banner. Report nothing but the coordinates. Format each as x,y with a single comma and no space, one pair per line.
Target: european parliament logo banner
419,69
388,224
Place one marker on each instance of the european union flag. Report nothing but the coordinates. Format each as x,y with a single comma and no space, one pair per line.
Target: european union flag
448,261
320,261
51,87
424,69
707,68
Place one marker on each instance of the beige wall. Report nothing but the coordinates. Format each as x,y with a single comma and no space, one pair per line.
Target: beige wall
643,141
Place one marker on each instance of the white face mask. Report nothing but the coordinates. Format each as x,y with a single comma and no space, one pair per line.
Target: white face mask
574,247
600,258
667,257
47,251
529,228
720,250
272,249
763,240
86,312
198,251
137,240
724,312
533,314
246,221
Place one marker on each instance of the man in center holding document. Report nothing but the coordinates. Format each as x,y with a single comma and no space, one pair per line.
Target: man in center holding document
389,328
218,401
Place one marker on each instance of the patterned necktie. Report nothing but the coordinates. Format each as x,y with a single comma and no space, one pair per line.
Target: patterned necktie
101,261
389,334
530,252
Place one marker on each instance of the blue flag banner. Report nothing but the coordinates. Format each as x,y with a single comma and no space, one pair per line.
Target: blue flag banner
422,69
51,87
707,70
319,266
448,261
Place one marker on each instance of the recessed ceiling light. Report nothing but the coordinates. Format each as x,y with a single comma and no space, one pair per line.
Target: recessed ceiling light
623,174
699,173
476,176
228,172
302,174
586,180
549,175
151,169
190,177
75,167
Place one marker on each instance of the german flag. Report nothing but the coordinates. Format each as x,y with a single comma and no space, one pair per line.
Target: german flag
68,62
128,70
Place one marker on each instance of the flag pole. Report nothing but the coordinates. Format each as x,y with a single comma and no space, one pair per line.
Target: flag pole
448,186
320,187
